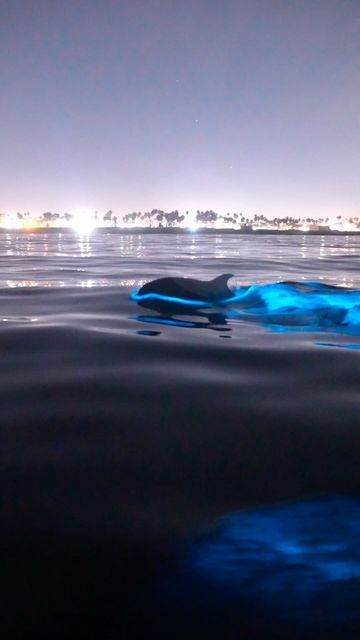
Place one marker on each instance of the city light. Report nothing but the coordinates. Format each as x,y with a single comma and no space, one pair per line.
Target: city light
85,220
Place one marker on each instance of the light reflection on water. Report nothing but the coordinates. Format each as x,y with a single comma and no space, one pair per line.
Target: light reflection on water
61,259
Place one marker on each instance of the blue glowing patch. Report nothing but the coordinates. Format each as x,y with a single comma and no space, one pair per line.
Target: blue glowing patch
319,536
297,563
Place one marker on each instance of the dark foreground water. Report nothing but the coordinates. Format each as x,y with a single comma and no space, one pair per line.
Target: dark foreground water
172,471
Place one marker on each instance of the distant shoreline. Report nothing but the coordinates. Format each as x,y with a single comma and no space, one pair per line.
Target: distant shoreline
200,231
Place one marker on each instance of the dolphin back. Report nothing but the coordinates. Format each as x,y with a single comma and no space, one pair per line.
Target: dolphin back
190,288
160,286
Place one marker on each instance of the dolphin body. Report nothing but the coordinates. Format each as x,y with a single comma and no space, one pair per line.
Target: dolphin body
188,289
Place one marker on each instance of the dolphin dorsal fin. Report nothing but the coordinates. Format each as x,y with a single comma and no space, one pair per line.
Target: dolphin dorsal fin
219,285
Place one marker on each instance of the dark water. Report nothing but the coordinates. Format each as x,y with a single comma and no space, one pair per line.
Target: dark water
129,433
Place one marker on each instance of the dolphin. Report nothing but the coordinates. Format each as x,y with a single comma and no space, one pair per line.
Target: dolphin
188,289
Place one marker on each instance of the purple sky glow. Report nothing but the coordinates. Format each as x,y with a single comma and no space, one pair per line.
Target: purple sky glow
235,105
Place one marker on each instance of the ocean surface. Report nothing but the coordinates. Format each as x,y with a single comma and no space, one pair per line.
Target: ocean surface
172,471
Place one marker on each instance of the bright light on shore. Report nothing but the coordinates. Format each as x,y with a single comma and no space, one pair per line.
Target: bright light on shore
83,221
11,222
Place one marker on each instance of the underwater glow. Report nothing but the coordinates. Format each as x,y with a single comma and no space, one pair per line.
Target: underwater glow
296,562
319,535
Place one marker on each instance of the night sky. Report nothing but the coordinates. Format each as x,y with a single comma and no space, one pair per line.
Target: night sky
235,105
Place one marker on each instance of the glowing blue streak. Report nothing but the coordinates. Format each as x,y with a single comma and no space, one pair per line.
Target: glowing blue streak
172,299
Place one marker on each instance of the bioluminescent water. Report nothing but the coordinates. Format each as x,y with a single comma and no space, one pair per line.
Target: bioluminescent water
311,305
294,566
131,428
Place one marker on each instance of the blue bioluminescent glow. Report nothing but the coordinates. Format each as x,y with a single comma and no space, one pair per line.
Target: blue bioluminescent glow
282,306
167,321
293,563
287,555
196,304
